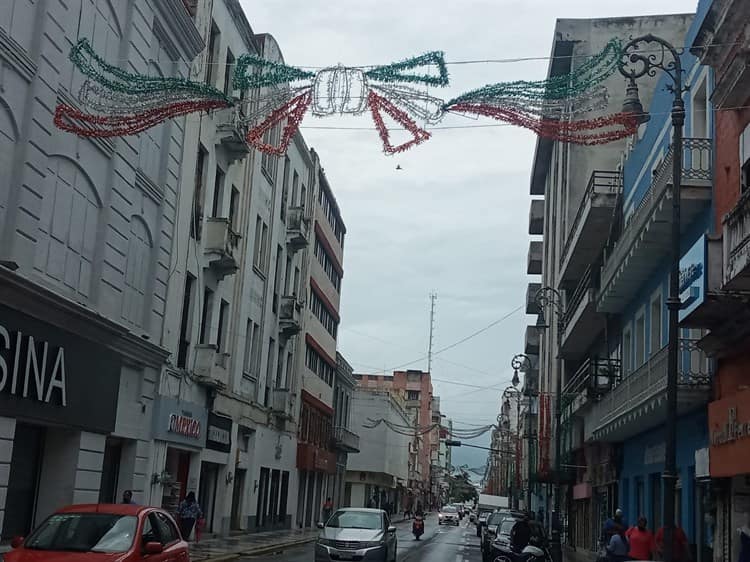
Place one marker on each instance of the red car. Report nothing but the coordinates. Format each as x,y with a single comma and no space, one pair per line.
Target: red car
106,533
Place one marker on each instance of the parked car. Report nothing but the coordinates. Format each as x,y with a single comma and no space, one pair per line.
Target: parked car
448,515
357,534
491,530
501,545
481,520
104,532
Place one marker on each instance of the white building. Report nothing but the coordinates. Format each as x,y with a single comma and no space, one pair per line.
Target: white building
377,474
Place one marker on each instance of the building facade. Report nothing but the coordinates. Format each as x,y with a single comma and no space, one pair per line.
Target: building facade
378,474
345,435
87,229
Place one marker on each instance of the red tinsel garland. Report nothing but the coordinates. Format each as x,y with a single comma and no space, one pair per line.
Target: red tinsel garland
103,126
293,111
376,102
574,132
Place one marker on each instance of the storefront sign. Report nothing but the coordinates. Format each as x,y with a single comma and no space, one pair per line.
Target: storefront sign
219,433
49,374
729,435
702,463
180,422
732,430
693,278
654,454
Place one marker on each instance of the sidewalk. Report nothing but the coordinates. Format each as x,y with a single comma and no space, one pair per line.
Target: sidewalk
228,548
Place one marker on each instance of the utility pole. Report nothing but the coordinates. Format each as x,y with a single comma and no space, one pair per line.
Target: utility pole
433,299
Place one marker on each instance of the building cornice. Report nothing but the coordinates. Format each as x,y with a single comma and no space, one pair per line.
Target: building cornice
177,18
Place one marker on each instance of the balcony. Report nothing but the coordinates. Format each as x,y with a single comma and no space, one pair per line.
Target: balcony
737,246
582,322
532,306
220,243
281,403
591,225
313,458
645,242
289,316
297,229
232,134
593,378
211,366
345,441
531,342
638,402
536,217
535,258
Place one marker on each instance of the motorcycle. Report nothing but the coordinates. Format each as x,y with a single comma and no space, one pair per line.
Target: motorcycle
530,553
417,527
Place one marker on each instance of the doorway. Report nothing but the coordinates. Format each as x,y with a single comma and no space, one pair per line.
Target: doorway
207,493
110,471
237,493
23,480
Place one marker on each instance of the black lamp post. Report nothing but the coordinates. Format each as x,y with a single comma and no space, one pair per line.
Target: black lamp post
548,297
511,393
522,362
662,56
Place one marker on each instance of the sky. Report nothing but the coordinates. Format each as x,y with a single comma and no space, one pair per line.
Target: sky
454,219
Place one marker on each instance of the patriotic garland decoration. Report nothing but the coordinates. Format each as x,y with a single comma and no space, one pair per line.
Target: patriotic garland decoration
114,102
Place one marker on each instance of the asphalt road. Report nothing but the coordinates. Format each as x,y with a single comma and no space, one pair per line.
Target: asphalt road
438,544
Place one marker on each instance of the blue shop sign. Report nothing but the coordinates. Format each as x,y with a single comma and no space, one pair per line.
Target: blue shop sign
693,278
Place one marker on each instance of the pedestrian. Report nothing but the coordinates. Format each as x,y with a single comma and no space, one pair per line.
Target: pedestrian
641,540
188,512
680,544
617,547
327,509
127,497
612,526
520,534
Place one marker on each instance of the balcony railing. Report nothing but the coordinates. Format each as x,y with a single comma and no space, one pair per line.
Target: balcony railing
645,238
639,389
592,379
289,316
211,366
590,280
345,440
737,243
220,243
298,228
601,182
232,133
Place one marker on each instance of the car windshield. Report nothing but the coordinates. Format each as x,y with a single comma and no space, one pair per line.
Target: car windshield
496,518
507,526
356,520
84,532
448,509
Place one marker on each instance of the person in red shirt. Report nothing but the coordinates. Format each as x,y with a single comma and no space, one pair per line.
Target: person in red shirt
680,545
641,541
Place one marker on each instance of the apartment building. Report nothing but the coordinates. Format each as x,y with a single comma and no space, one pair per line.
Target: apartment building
88,229
346,439
578,337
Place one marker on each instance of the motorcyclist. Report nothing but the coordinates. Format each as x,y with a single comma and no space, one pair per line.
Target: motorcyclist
520,534
417,527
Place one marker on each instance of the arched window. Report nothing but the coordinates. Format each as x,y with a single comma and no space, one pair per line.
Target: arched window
8,135
137,269
68,226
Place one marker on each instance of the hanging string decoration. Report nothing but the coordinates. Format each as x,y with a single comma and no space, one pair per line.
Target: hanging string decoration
119,103
555,108
390,90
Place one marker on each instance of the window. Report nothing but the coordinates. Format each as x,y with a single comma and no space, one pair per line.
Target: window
640,340
223,321
218,193
137,269
284,190
228,71
280,369
208,302
326,261
248,355
277,278
318,365
289,367
268,161
269,368
295,288
295,187
287,275
699,110
330,210
656,326
213,47
187,308
412,395
627,350
234,201
745,159
303,196
261,240
252,349
167,530
324,315
200,179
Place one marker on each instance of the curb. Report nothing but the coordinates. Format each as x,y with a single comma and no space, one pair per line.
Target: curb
257,551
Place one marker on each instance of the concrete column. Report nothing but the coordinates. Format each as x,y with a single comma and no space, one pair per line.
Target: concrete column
88,468
7,432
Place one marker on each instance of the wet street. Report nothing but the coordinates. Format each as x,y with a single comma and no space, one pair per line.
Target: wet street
438,544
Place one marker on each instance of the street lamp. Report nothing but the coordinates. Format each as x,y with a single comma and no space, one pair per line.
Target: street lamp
522,362
548,297
512,393
634,65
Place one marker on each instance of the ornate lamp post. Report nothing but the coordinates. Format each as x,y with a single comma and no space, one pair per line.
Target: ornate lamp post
550,298
522,362
662,56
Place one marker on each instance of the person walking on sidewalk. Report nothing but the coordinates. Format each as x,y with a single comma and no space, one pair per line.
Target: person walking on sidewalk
680,545
327,509
641,540
188,512
617,548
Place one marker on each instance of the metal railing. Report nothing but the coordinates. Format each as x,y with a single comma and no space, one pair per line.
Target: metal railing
696,165
648,380
600,182
595,374
589,280
737,227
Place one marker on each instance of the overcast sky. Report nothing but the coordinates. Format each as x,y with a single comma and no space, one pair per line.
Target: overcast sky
454,220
